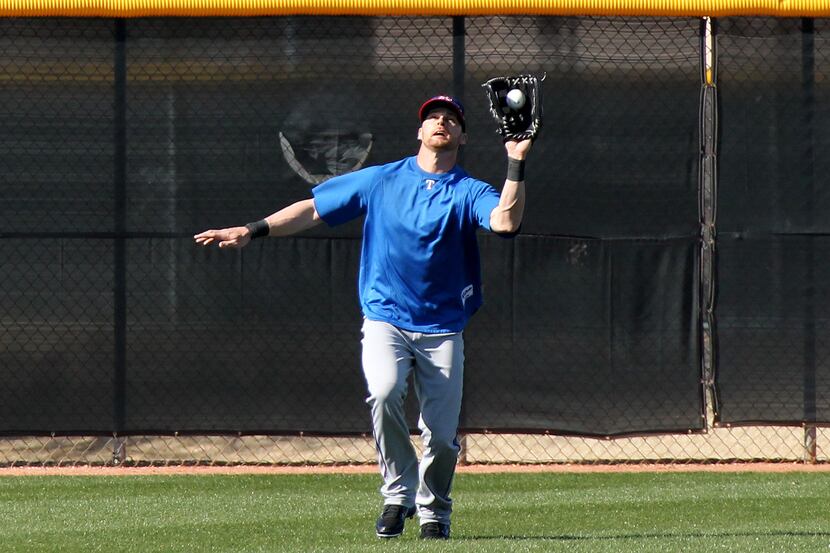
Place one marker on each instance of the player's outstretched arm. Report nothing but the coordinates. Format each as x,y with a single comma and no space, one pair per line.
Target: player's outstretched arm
507,216
290,220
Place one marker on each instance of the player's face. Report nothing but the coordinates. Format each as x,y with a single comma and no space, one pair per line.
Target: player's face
441,130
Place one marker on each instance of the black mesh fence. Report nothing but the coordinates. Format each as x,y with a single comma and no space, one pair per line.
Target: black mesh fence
123,138
773,221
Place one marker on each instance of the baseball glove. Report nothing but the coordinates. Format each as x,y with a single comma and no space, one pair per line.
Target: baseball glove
521,121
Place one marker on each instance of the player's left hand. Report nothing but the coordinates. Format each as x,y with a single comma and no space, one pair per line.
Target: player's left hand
518,149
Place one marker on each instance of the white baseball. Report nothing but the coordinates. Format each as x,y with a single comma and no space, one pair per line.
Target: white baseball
515,99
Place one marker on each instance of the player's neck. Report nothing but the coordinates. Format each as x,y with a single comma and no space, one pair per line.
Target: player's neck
436,161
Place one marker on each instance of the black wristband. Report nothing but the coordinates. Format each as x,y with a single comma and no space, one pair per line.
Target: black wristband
515,169
258,228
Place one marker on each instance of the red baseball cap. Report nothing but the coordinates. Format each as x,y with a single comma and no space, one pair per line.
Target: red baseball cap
444,102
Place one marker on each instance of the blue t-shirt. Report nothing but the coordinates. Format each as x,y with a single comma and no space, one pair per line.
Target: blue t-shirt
420,268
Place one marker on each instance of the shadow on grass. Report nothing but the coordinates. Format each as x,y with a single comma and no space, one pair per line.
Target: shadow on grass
610,537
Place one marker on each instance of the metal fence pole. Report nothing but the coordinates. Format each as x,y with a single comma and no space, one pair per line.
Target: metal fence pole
119,224
808,79
707,207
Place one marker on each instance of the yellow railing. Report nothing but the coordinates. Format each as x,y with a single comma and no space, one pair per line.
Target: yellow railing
242,8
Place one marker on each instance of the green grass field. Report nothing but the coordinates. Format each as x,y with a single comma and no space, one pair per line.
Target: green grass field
649,512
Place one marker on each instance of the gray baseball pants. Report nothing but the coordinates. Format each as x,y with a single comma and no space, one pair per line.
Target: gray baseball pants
437,364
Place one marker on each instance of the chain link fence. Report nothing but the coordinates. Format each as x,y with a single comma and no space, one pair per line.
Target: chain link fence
650,311
718,445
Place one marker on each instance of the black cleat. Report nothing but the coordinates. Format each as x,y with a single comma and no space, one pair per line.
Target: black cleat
391,521
435,531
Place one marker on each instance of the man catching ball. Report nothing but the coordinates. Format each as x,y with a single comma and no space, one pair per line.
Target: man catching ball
419,284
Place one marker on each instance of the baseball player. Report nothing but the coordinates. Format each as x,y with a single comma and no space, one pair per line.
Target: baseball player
419,284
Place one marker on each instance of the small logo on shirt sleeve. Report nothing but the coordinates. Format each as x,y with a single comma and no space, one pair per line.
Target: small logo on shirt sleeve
466,294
